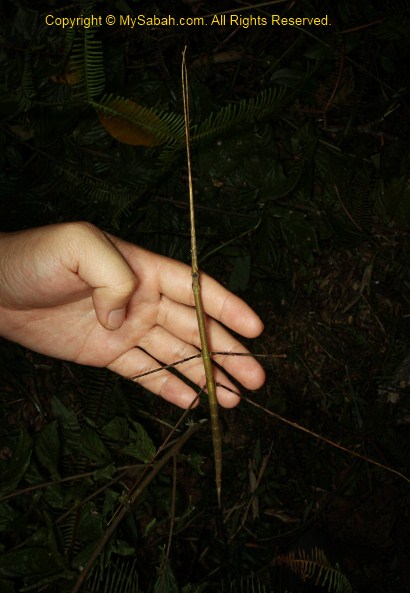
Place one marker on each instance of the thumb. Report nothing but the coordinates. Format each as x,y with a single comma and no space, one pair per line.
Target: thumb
104,268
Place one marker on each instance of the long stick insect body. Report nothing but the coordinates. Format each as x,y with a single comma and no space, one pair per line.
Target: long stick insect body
205,351
196,289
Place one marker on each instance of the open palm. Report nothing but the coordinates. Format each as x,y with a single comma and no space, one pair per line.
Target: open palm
59,284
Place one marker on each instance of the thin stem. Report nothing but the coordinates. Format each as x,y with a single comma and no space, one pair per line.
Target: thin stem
196,289
178,362
132,498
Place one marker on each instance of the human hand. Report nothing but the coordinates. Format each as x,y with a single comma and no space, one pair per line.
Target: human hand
59,284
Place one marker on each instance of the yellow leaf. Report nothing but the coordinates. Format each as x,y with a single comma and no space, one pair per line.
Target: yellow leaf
70,77
121,127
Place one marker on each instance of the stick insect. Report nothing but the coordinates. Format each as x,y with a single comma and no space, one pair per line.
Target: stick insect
205,351
196,289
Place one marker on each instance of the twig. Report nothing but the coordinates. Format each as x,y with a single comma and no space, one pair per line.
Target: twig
196,289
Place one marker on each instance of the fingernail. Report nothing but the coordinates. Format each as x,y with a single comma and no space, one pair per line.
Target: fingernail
115,318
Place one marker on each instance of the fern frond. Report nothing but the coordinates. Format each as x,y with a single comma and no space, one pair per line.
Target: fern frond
248,584
362,200
27,79
119,576
120,198
395,24
67,532
267,102
159,124
169,154
86,66
69,41
104,399
314,565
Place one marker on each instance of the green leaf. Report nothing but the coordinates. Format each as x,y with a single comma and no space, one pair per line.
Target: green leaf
141,445
299,234
150,527
279,185
117,429
105,473
27,562
55,496
78,491
47,448
6,586
70,427
18,464
110,502
135,441
53,539
81,559
7,514
25,23
268,101
166,581
39,537
86,66
90,524
395,198
93,447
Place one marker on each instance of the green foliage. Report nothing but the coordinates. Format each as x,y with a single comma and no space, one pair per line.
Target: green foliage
47,448
18,464
121,576
86,66
32,561
267,102
130,437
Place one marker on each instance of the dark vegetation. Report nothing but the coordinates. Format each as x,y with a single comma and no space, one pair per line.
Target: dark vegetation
301,172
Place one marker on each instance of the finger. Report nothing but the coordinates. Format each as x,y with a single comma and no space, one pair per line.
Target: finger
170,349
138,366
143,369
102,266
175,282
218,301
180,322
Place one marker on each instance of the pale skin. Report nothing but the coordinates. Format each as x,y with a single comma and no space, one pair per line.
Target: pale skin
58,285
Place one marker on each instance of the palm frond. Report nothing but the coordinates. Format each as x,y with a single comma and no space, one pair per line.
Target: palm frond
362,200
118,198
315,566
396,24
27,85
119,576
86,66
248,584
104,398
266,103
